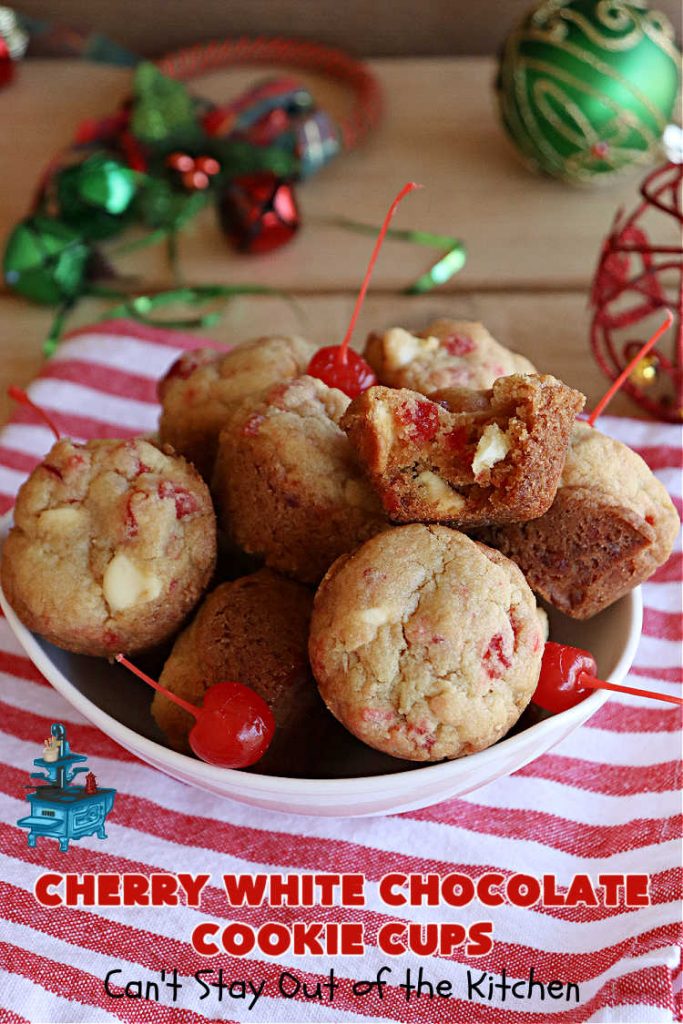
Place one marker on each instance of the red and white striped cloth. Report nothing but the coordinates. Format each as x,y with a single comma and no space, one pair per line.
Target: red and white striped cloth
606,800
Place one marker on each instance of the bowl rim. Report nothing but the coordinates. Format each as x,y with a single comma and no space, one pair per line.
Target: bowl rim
182,764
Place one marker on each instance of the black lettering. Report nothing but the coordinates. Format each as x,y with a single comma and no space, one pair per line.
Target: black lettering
114,995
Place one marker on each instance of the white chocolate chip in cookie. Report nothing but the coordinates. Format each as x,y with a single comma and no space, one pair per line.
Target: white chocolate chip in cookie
57,523
401,347
492,448
436,491
127,583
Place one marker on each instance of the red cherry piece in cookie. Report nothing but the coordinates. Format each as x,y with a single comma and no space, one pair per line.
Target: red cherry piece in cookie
185,503
559,684
351,375
496,660
423,419
234,726
457,439
458,344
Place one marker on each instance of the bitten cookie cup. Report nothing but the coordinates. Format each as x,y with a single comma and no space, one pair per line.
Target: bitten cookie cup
448,353
612,524
254,631
472,458
113,544
425,644
287,485
202,388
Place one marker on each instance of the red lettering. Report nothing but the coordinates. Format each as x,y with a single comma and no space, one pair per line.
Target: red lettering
637,891
457,890
485,892
479,938
387,886
245,889
42,890
238,939
200,936
523,890
390,938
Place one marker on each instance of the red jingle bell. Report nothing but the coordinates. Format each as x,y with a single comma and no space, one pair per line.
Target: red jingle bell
258,212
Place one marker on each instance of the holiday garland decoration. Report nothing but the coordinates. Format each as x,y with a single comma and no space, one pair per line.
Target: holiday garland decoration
638,275
165,155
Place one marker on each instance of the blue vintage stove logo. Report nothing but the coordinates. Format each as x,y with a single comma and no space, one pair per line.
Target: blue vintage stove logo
59,809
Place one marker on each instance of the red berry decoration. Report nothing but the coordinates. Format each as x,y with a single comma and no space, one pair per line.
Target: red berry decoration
338,366
233,726
258,212
568,676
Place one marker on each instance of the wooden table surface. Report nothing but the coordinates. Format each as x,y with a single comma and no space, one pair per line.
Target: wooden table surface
532,243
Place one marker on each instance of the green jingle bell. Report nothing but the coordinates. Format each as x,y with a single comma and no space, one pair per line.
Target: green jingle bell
586,89
45,261
96,195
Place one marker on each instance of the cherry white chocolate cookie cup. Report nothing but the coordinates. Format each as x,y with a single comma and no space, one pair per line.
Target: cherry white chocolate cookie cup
425,644
113,543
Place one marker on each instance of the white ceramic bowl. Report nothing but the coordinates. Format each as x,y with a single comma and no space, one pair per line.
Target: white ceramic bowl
109,697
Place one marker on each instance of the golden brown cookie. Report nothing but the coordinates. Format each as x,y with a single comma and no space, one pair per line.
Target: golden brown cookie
253,631
287,485
202,387
425,644
448,353
113,544
471,458
611,525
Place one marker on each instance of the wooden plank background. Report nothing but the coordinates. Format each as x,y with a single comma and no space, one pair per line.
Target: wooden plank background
376,28
532,243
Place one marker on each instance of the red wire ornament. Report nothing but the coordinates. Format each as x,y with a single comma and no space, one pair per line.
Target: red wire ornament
325,60
635,279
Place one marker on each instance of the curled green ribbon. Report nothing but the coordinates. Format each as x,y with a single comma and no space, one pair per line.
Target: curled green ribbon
452,261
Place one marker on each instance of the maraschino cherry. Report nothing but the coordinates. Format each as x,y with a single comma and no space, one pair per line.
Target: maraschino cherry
628,370
568,675
233,726
18,394
339,366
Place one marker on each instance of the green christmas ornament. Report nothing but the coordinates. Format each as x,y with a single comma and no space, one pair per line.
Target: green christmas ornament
96,195
586,87
45,261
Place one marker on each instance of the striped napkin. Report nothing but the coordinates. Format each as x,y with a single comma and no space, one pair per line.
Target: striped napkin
606,800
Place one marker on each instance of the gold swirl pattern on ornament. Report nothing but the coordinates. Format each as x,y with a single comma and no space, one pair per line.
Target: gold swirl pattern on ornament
593,61
634,19
577,165
615,133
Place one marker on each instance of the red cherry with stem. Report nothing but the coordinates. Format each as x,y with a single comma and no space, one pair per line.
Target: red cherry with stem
568,675
353,377
628,370
19,395
337,365
233,726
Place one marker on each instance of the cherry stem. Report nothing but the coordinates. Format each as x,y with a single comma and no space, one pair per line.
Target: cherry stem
411,186
628,370
18,394
599,684
194,711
